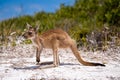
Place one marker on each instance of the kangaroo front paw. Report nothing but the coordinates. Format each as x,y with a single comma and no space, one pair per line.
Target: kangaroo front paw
37,60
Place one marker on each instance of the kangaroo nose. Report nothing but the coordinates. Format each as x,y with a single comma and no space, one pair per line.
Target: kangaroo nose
24,36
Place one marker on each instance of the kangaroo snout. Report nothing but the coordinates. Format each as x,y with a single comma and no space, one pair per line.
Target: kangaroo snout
24,36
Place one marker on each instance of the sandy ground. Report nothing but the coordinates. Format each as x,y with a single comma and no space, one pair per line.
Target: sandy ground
18,63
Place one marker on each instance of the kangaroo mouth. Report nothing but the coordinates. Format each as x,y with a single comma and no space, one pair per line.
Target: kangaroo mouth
24,36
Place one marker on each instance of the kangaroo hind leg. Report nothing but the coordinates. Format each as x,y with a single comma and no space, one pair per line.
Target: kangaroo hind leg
55,46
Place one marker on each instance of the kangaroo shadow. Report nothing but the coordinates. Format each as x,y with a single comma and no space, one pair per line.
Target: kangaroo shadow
43,65
62,64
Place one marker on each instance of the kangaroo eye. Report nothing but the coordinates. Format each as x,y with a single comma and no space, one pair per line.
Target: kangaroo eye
29,33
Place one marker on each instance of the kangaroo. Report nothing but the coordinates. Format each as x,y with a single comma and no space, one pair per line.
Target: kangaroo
54,39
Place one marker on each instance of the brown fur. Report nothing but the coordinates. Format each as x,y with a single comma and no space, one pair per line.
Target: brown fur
55,39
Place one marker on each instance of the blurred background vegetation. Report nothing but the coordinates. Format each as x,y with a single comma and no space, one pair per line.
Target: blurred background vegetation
79,20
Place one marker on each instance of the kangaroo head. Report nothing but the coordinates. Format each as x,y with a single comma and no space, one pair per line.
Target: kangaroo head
30,32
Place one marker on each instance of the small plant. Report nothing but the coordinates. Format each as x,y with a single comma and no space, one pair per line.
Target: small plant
27,41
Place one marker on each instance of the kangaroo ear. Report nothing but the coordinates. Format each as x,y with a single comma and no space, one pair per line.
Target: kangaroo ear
36,28
28,26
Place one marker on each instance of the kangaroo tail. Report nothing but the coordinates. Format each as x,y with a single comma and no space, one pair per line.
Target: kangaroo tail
77,55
